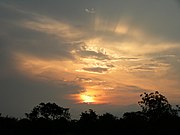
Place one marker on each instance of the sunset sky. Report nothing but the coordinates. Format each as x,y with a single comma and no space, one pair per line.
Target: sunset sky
81,54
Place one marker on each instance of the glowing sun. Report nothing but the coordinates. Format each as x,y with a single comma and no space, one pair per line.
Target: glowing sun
87,99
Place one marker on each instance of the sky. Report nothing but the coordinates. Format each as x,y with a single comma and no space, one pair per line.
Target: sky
81,54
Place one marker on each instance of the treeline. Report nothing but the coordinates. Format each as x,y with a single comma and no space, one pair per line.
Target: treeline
157,117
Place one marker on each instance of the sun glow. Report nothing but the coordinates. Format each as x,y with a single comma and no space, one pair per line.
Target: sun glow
87,98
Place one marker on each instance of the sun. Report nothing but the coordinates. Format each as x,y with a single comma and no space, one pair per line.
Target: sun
87,99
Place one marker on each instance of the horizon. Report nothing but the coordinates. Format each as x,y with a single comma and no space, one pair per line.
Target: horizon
88,54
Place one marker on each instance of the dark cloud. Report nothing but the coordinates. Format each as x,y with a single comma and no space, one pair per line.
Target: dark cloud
18,38
85,52
110,65
147,15
128,59
25,29
131,89
20,93
146,67
91,11
83,79
178,1
96,69
171,58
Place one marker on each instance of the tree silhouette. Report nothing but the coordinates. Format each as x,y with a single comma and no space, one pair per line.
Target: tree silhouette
88,116
156,117
107,123
107,117
88,122
135,116
49,111
155,106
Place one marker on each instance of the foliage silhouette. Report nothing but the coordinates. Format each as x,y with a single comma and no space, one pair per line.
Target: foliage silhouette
88,121
88,116
49,111
157,117
107,117
156,106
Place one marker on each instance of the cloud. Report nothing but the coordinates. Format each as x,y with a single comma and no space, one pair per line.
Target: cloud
19,92
119,51
86,52
128,58
131,89
35,34
91,11
96,69
83,79
154,67
171,58
53,27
